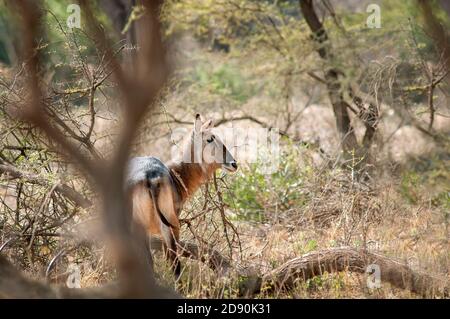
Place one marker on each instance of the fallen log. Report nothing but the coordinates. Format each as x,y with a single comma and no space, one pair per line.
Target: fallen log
332,260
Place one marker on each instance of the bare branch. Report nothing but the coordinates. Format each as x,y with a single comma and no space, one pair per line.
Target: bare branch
64,189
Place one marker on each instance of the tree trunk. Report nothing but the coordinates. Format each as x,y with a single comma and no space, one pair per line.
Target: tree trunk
335,92
437,31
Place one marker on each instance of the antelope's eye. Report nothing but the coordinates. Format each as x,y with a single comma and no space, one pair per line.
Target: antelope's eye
209,140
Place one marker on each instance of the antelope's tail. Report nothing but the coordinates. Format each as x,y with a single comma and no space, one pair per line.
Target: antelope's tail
153,186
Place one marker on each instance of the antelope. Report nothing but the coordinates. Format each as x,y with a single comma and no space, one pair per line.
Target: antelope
158,191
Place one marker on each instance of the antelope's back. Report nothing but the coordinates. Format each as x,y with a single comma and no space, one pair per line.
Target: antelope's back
145,168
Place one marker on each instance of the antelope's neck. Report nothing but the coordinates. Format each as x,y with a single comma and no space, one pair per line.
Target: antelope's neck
191,176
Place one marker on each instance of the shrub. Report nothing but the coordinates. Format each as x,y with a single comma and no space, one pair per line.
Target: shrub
255,194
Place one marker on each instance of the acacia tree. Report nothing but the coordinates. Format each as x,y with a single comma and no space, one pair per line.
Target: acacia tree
346,95
333,77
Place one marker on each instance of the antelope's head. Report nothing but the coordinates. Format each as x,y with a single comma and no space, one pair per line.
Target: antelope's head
208,149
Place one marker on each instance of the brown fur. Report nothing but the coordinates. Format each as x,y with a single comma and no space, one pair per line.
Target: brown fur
192,176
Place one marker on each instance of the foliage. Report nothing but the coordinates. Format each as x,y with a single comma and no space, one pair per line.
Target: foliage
256,194
224,80
427,179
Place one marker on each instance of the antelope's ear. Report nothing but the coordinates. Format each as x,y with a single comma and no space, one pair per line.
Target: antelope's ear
197,123
207,125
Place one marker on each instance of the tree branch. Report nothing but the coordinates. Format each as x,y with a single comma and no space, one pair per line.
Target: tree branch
32,178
